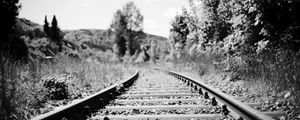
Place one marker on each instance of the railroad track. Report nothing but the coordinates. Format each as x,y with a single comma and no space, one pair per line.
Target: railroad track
160,95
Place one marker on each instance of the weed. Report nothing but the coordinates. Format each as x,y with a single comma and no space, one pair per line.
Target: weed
26,89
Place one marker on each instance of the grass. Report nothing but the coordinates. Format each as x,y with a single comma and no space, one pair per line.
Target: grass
22,88
279,71
267,75
23,93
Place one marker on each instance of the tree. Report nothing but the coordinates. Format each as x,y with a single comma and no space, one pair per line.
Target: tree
134,18
179,26
118,26
134,23
10,43
178,33
127,25
279,21
56,34
9,11
46,27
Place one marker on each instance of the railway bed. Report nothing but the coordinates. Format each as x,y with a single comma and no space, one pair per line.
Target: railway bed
160,95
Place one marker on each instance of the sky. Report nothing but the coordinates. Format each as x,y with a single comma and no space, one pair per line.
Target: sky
98,14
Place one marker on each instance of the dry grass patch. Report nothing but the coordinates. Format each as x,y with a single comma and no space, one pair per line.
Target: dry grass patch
27,90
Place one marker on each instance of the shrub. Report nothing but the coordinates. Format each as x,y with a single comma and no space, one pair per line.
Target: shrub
57,90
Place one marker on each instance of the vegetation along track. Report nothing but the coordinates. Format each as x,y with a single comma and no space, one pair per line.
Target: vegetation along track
161,95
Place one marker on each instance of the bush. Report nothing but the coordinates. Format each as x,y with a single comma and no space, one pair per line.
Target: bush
57,90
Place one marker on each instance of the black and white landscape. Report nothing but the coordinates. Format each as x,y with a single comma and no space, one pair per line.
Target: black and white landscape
150,59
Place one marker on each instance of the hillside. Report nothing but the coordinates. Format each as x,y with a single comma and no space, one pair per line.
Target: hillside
81,43
25,24
101,39
88,38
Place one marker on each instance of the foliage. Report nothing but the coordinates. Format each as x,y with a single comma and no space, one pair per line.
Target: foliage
56,34
35,33
56,90
11,45
239,36
9,11
127,25
243,28
134,32
179,32
46,27
134,19
119,26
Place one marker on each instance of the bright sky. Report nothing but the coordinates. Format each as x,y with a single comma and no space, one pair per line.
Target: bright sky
97,14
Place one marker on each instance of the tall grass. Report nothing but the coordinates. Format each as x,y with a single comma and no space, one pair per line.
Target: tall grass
279,70
19,89
22,91
271,72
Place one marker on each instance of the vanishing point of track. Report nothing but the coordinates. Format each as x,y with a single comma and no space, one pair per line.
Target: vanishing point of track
159,95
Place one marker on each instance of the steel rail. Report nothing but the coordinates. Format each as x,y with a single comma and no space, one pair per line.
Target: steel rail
244,111
80,109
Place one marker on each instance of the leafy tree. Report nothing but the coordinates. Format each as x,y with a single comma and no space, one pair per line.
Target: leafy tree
241,25
134,18
47,29
118,26
134,21
128,27
178,33
206,27
179,26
